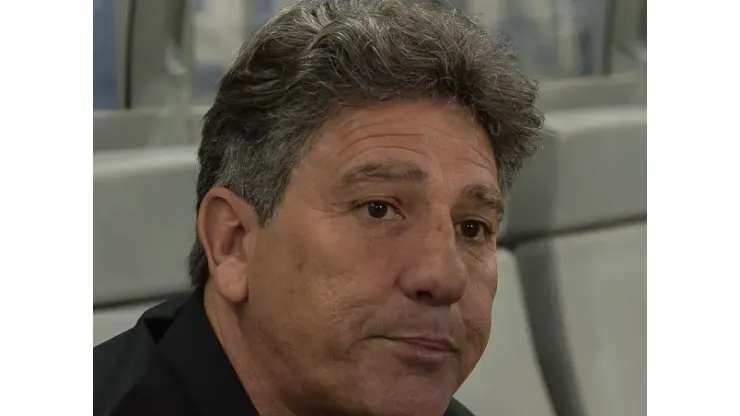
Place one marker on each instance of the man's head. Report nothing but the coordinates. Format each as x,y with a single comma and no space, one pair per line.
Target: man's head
352,168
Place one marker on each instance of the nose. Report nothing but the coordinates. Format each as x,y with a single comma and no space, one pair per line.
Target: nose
436,273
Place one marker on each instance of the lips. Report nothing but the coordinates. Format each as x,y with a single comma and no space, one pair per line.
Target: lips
421,351
432,343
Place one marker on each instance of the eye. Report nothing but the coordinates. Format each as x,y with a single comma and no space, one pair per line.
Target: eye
473,230
380,210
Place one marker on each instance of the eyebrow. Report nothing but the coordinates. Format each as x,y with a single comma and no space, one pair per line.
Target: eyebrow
387,171
393,170
485,196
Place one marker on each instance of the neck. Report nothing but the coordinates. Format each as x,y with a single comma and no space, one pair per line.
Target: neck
249,364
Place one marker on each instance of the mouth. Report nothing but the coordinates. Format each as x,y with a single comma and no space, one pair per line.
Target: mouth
423,350
441,344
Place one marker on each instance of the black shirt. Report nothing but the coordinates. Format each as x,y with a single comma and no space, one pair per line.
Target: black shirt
171,363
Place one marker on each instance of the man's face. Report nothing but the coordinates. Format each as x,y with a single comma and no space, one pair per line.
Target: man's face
373,284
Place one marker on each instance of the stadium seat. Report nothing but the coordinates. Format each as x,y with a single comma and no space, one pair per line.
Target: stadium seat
591,171
600,91
142,128
144,222
595,282
576,221
507,380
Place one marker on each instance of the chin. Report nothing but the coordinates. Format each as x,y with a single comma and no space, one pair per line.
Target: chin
411,403
408,395
386,379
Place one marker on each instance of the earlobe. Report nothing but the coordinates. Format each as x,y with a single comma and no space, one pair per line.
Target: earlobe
224,224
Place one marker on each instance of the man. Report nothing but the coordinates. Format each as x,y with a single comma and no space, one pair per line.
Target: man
350,190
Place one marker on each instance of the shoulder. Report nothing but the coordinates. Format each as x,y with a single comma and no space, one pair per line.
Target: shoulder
105,354
121,363
118,364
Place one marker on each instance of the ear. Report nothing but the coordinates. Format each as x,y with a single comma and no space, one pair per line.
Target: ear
224,224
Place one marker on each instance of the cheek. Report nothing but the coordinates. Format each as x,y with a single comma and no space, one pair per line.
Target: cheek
333,278
477,321
483,273
476,308
351,275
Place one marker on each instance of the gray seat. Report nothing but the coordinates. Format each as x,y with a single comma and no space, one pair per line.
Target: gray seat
577,220
507,380
144,222
591,171
108,323
600,91
591,286
144,127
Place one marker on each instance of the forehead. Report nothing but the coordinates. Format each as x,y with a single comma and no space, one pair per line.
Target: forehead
443,134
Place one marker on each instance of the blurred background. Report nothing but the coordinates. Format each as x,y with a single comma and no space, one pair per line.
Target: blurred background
569,319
